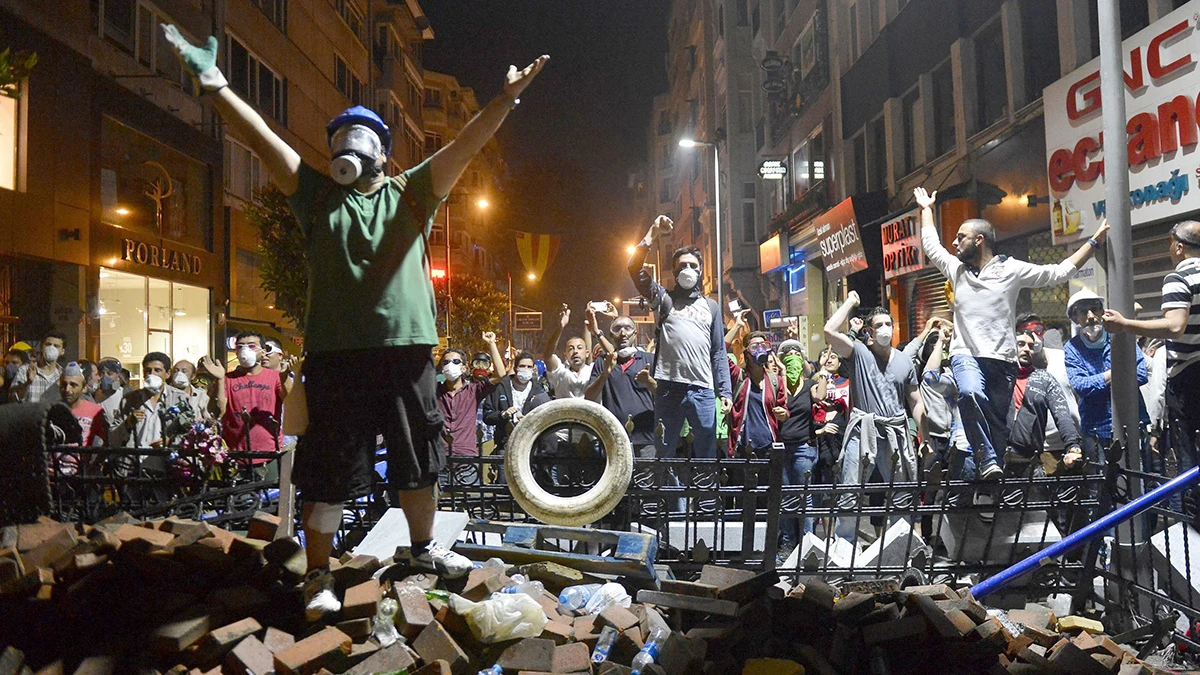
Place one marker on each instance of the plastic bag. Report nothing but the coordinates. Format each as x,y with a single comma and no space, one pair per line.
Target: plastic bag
606,596
502,617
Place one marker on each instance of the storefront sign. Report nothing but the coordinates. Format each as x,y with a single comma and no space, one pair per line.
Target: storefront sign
528,321
841,247
772,169
1161,85
159,256
902,245
771,254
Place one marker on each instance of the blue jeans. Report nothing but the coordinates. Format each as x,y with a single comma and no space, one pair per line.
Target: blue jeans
985,391
675,402
799,468
855,471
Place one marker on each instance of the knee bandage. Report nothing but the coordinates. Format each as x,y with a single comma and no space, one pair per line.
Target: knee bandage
325,517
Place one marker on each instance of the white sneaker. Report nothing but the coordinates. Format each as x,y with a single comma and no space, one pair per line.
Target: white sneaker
440,559
319,598
991,472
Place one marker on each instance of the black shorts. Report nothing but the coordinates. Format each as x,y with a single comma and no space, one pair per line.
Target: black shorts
354,396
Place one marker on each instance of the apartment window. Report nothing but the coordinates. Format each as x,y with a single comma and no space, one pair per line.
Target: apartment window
346,81
433,142
910,114
745,112
664,123
276,11
1039,32
387,42
414,94
415,147
860,163
691,56
244,172
10,140
877,141
749,227
664,161
990,83
118,23
943,109
255,81
780,17
853,15
433,99
393,112
755,19
353,17
808,163
743,16
721,21
664,191
133,27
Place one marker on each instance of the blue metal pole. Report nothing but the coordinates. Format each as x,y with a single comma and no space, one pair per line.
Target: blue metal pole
1092,530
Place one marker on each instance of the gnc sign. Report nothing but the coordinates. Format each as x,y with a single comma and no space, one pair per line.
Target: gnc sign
1162,84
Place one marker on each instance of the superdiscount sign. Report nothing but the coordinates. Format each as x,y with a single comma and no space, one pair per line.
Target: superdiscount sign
1162,85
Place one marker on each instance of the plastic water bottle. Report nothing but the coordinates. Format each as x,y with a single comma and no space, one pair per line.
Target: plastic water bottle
385,623
494,670
531,588
649,652
604,645
435,594
575,597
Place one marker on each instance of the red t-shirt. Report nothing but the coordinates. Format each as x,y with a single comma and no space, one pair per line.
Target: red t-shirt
91,419
259,395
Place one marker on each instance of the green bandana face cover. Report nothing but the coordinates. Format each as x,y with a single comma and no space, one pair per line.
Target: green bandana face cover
794,365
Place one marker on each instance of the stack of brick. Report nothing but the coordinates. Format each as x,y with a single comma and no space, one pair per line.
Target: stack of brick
185,598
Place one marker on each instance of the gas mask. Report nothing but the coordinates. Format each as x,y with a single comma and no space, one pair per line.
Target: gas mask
355,148
108,384
759,354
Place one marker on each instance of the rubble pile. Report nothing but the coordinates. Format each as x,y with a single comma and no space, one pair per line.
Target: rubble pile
183,597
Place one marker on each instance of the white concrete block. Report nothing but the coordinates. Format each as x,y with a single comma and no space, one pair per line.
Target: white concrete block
1182,564
1009,539
392,531
898,543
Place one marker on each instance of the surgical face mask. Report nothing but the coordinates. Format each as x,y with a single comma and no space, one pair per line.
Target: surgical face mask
247,357
883,335
51,353
687,278
1093,334
153,383
524,375
355,148
179,380
793,364
108,384
626,352
452,371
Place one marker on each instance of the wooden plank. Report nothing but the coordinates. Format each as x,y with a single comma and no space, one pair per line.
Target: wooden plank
688,602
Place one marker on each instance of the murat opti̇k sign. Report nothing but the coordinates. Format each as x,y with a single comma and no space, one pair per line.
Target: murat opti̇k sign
841,246
1162,83
902,245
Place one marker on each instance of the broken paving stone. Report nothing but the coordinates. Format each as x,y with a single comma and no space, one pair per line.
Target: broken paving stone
553,576
218,643
435,643
362,601
357,629
276,640
1069,623
617,617
355,570
438,667
180,633
262,526
575,657
250,657
528,654
414,612
388,659
310,654
560,633
772,667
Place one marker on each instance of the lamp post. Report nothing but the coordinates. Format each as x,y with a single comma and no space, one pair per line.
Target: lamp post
512,329
690,143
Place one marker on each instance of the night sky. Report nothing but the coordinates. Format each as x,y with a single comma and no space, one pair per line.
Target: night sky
579,131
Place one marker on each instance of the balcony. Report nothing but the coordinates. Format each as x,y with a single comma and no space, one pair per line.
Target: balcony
790,90
810,204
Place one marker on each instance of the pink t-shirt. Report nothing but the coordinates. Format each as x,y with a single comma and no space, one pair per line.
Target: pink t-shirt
91,419
259,395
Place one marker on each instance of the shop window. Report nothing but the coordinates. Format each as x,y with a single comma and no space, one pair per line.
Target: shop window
943,109
10,140
146,186
140,314
255,81
991,85
350,84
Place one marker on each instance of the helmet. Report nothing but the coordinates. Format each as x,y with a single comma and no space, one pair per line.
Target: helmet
1082,296
481,356
364,116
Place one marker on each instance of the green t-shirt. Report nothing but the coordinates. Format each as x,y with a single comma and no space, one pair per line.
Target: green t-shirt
367,282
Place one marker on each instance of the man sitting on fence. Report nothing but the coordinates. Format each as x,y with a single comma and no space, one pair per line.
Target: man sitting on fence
881,383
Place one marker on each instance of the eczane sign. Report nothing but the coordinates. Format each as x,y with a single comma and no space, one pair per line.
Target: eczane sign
1162,83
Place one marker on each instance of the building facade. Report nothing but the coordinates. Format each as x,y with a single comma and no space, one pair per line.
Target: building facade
111,227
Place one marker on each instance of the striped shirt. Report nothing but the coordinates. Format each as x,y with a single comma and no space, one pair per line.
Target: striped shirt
1181,290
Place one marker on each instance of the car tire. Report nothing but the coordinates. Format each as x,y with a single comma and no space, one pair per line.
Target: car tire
590,506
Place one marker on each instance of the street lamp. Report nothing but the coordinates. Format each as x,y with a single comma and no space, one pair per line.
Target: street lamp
692,143
482,203
532,276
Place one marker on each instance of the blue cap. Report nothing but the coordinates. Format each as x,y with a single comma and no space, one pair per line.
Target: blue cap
364,116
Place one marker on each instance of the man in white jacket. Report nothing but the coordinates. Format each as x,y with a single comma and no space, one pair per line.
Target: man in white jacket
983,353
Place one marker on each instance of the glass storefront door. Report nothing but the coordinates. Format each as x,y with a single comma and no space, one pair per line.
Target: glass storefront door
141,314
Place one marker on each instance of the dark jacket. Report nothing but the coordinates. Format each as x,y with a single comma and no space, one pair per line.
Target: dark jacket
1027,426
501,399
774,394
